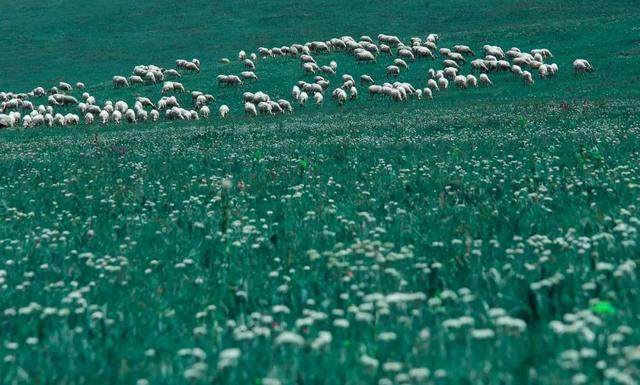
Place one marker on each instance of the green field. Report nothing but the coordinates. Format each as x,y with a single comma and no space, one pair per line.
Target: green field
488,236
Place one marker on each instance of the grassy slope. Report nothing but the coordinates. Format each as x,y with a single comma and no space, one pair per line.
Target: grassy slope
69,41
435,160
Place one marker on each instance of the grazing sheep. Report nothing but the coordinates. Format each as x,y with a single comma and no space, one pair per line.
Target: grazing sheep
38,91
427,93
389,39
484,80
443,83
407,54
375,90
172,73
307,59
448,63
130,116
135,79
145,101
543,71
433,85
479,65
309,68
582,66
223,111
318,98
205,112
250,109
120,81
493,51
457,57
450,72
353,93
420,51
463,49
80,85
516,70
285,106
295,92
328,70
104,117
260,97
528,79
400,63
150,78
248,63
460,81
154,115
64,86
366,79
265,108
340,95
121,106
472,81
249,75
71,119
393,71
88,118
365,56
302,98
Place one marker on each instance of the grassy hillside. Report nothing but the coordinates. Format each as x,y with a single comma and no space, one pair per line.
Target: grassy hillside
488,236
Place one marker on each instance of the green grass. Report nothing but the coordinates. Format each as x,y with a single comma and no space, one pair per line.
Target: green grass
511,211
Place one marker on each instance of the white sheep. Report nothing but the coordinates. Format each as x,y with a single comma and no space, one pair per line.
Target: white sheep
393,70
433,85
295,92
516,70
302,99
400,63
319,98
484,80
71,119
135,79
463,49
130,116
443,83
366,79
192,66
582,66
528,79
249,75
339,95
88,118
472,81
353,93
64,86
121,106
120,81
248,63
104,116
154,115
265,108
285,105
223,111
250,109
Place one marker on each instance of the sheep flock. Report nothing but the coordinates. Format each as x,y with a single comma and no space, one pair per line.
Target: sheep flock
453,67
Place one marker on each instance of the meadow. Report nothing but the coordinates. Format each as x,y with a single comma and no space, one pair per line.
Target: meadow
488,236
